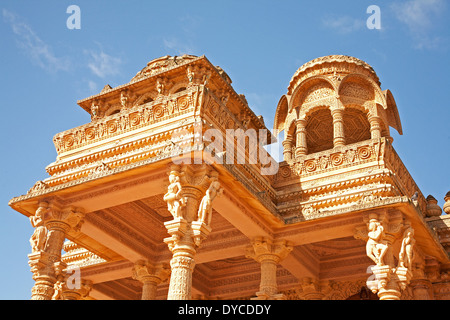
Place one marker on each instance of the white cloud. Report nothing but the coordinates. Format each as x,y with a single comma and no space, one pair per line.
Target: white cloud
178,47
343,24
417,14
39,52
419,17
102,64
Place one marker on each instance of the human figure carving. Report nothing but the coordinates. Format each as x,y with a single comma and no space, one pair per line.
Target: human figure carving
94,111
375,248
173,196
159,86
205,208
190,74
57,295
123,100
39,236
406,255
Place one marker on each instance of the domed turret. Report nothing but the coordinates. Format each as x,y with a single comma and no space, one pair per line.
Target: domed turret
334,101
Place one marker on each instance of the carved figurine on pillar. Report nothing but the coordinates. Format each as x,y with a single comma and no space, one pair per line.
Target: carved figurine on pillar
406,255
94,111
388,280
52,223
123,101
205,208
198,186
39,236
175,202
375,248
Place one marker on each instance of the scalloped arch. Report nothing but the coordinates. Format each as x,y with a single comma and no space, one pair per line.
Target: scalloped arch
379,97
281,114
393,116
305,85
290,121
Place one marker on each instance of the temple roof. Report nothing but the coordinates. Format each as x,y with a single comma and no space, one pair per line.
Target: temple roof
162,64
340,63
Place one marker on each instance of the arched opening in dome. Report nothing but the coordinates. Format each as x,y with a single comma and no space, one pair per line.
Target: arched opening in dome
356,125
319,131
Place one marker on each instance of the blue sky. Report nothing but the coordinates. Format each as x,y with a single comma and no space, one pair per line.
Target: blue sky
46,67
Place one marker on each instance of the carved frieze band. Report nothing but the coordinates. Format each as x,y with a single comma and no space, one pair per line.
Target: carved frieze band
131,119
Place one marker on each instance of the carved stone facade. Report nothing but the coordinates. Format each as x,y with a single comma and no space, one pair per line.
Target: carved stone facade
169,193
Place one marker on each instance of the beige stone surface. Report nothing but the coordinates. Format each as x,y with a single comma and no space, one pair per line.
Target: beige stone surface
147,205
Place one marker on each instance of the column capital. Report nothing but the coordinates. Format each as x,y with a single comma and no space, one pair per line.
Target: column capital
60,218
313,288
145,271
301,122
268,253
150,275
263,248
337,111
65,292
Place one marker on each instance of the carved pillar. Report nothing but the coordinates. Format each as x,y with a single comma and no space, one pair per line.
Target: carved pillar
313,289
268,254
301,147
422,289
388,280
189,198
338,127
375,127
150,275
52,224
67,292
287,148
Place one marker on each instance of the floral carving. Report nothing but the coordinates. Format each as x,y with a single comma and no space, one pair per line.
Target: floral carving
337,159
364,153
310,165
183,103
135,118
90,133
112,126
158,111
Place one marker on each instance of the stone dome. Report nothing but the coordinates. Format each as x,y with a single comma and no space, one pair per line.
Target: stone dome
332,64
162,64
165,63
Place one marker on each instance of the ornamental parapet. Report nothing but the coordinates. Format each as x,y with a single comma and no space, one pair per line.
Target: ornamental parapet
343,178
125,124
